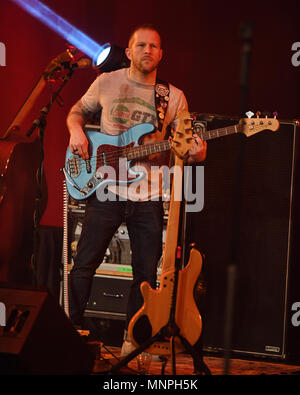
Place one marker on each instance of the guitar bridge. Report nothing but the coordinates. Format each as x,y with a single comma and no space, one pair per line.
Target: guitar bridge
74,166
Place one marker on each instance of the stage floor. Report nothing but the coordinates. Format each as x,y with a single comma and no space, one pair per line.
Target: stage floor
184,365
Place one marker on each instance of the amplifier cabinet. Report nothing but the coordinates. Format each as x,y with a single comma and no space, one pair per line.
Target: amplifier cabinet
251,220
109,296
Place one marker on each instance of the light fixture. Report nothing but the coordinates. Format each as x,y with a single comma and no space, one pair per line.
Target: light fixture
98,53
110,58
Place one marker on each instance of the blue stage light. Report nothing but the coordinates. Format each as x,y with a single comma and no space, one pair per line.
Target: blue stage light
98,53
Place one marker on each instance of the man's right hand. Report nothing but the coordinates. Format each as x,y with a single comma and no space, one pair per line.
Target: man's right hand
78,143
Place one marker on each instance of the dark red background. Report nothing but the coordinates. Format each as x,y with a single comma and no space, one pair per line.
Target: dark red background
202,47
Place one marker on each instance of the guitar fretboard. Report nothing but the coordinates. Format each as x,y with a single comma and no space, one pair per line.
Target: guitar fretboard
213,134
153,148
145,150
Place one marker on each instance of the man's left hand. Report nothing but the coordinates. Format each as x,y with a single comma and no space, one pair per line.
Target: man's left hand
198,151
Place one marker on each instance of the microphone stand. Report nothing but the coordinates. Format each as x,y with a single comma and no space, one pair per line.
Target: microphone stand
41,123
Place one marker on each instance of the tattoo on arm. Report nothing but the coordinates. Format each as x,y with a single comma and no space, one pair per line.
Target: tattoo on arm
75,112
83,109
79,109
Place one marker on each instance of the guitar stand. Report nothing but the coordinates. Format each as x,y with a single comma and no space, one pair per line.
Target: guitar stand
200,368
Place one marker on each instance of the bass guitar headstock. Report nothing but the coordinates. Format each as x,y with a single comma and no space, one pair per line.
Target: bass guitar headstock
250,126
183,135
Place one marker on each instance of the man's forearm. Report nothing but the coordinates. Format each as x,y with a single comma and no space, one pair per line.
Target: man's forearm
77,117
76,120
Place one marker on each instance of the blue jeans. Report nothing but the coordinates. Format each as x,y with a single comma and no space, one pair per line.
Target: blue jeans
144,222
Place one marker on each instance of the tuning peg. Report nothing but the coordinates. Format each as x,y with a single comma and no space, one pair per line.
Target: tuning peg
275,113
249,114
258,114
266,114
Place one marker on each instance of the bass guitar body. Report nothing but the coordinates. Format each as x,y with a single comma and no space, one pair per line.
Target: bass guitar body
154,315
107,164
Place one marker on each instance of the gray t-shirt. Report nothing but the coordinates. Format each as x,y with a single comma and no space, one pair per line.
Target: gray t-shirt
124,103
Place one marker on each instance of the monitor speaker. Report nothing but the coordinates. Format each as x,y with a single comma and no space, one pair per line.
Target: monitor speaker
36,337
250,222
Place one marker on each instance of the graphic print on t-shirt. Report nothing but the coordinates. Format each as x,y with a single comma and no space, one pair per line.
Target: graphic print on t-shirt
127,112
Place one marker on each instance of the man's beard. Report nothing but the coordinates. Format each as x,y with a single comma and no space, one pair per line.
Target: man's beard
145,70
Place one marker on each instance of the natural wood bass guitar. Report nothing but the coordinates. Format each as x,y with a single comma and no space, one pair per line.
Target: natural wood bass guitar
171,309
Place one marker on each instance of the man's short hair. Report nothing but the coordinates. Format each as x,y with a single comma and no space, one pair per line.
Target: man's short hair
144,26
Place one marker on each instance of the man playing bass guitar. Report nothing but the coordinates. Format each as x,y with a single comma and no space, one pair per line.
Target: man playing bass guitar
126,97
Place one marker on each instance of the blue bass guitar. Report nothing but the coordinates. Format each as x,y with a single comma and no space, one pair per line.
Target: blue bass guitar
111,156
109,161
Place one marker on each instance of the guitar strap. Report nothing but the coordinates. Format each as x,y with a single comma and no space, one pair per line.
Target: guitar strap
162,96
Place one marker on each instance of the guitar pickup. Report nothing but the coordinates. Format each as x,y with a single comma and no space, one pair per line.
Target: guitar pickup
103,156
88,165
